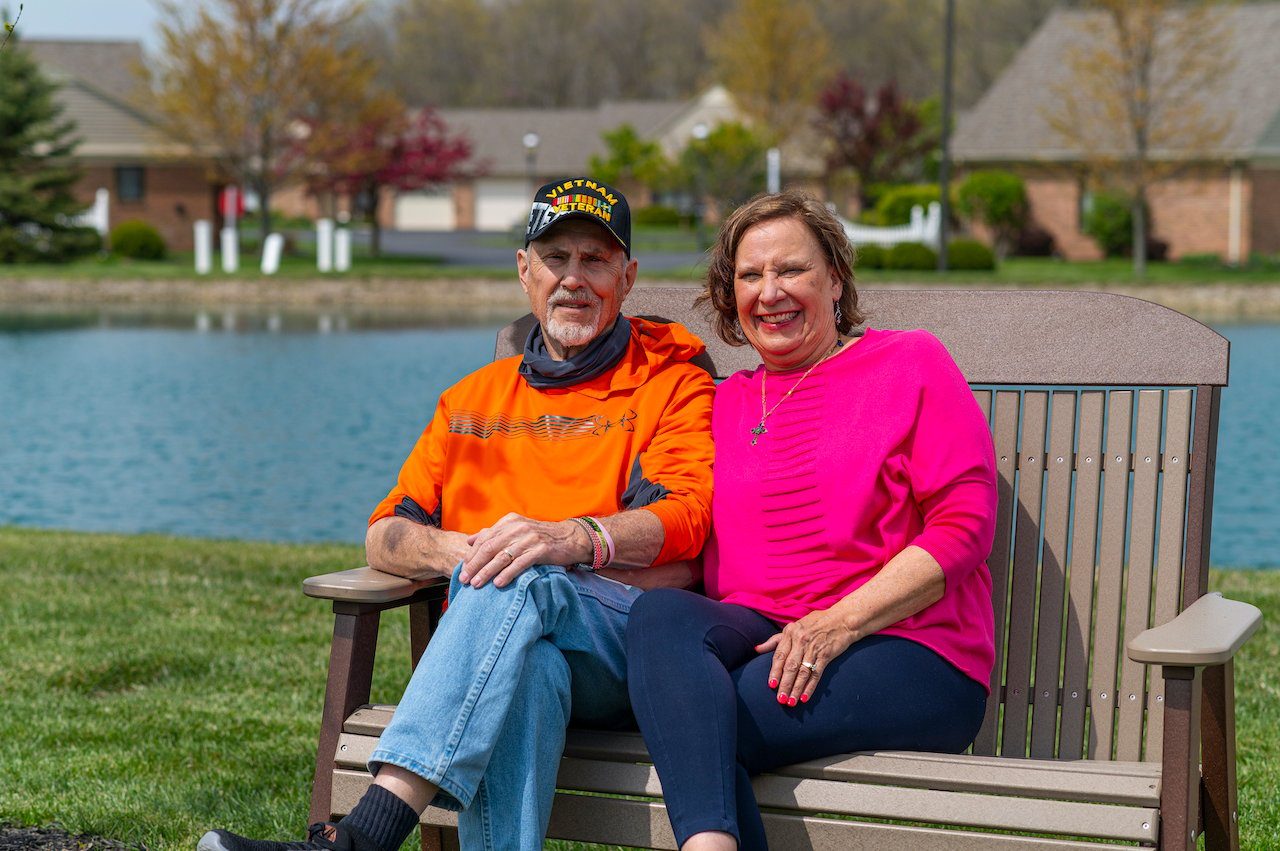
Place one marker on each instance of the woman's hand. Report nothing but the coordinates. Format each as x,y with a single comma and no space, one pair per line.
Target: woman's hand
801,653
911,581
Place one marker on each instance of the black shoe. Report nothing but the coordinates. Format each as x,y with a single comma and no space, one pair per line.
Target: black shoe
324,836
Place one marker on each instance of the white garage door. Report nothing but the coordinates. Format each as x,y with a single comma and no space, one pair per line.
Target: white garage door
502,204
433,210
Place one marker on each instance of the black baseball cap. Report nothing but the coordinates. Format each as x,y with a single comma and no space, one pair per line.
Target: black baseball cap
580,198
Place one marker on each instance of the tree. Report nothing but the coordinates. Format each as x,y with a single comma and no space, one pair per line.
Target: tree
630,160
1135,101
874,137
37,174
384,149
773,55
997,199
728,166
443,52
238,79
9,25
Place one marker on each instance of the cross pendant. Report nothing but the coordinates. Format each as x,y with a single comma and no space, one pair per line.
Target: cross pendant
757,431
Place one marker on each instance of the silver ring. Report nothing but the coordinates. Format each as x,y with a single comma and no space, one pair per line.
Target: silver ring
510,554
812,666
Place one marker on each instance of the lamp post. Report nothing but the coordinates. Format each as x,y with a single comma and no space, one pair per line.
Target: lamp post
944,167
700,132
530,142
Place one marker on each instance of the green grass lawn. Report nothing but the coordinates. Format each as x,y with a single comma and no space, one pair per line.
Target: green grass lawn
154,687
300,264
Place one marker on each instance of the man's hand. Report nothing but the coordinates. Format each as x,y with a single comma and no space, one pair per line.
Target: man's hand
515,543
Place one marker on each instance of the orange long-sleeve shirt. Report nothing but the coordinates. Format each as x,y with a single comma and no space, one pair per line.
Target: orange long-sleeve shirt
637,436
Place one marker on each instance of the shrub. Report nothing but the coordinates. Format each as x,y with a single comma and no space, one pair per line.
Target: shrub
996,199
137,240
30,244
911,256
659,215
1109,222
869,256
894,206
1034,241
970,254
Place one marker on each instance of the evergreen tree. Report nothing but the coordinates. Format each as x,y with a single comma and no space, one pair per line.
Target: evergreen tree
36,172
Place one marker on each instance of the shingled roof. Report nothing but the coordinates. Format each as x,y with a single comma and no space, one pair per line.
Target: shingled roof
568,138
98,88
1009,125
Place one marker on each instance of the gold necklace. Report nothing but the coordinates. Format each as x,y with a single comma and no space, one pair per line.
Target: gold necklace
766,412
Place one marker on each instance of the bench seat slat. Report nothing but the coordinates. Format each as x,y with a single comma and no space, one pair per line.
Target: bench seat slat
875,801
1131,783
1114,782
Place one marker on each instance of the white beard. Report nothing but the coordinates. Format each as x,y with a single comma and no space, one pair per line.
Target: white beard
571,334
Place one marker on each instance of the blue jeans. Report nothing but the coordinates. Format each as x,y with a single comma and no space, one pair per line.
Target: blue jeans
484,715
701,697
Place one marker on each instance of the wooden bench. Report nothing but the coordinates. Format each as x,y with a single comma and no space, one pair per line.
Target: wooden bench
1111,719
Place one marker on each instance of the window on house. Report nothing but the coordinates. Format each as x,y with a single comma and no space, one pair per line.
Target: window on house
130,182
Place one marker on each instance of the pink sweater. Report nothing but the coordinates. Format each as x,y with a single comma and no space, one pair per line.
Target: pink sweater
881,447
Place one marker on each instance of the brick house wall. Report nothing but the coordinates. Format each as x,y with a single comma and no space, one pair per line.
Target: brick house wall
1192,213
1054,201
174,196
1264,229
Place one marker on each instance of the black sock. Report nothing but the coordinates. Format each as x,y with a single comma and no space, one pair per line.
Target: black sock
382,818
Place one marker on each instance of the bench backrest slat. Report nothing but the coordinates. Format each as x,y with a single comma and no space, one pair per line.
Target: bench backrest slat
1056,525
1094,542
1090,418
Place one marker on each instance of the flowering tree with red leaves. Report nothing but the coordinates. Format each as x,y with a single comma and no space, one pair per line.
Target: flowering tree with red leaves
876,137
383,148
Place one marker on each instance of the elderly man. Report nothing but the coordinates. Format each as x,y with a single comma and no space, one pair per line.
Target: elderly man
543,484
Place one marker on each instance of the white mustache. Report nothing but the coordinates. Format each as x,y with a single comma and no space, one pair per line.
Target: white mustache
567,297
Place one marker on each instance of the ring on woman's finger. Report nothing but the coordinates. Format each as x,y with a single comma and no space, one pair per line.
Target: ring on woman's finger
510,554
812,666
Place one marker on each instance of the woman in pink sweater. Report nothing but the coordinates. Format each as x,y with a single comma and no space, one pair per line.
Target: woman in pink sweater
848,601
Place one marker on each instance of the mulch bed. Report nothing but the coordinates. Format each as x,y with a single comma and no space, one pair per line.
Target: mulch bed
55,839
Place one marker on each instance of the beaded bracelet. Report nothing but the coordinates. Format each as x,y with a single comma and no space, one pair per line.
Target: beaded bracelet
597,544
609,551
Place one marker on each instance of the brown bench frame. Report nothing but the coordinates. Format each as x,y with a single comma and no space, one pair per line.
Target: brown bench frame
1104,411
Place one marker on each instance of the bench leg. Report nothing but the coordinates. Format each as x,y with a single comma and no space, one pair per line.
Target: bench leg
355,640
1218,729
438,838
424,617
1180,784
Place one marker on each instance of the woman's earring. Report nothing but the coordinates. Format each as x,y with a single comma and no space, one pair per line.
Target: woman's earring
839,314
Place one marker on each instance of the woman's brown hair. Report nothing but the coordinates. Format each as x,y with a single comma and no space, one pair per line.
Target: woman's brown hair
822,223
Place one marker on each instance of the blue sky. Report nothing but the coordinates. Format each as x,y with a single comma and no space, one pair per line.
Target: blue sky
89,19
84,19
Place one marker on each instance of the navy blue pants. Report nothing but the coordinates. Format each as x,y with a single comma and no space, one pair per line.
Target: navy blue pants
702,699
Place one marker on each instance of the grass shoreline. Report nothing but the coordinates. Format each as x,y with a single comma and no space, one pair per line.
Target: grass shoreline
152,687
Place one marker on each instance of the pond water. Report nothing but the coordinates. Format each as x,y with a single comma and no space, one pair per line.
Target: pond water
291,428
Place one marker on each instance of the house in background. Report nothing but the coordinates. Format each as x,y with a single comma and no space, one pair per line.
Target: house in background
120,148
1227,202
517,150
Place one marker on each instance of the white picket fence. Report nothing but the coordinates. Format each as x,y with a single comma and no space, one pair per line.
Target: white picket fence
924,227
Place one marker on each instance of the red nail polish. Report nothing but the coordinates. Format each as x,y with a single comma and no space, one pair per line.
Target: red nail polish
804,698
782,698
791,702
773,683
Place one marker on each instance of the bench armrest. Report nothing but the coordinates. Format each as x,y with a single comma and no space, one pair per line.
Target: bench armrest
1208,632
366,585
